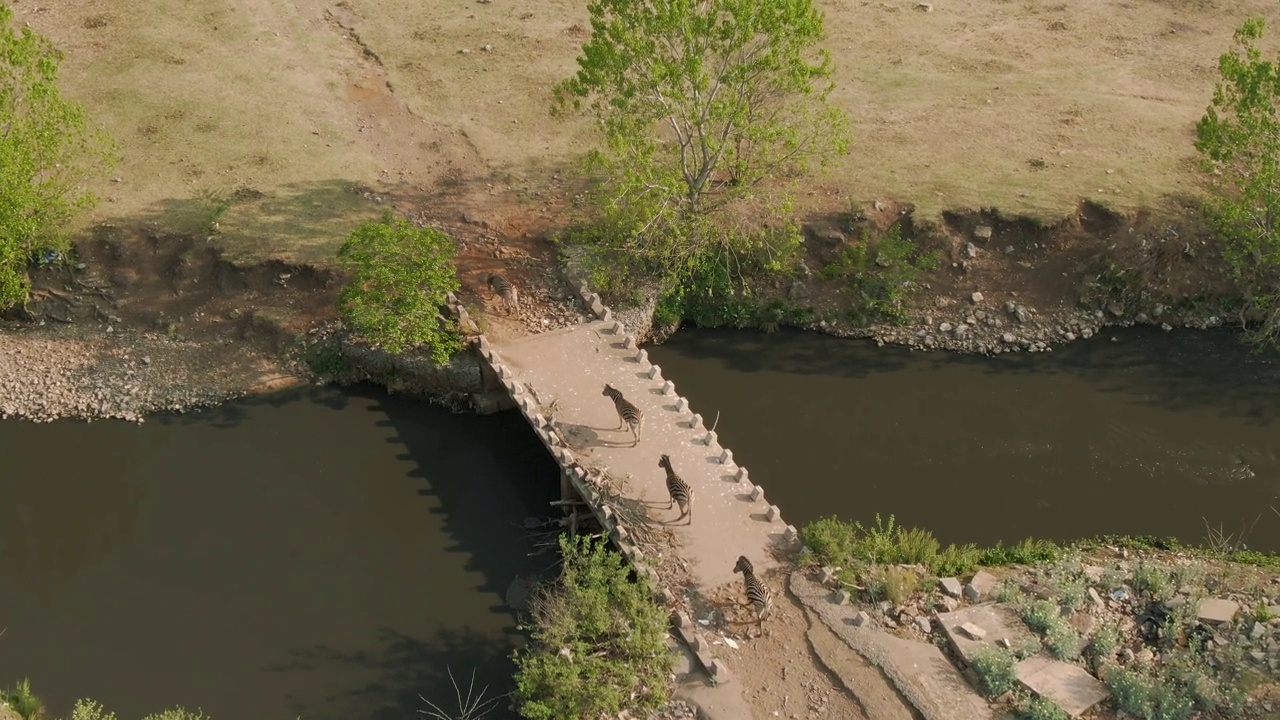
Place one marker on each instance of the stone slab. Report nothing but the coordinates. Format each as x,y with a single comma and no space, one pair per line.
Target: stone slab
1071,687
980,586
997,621
1217,610
951,586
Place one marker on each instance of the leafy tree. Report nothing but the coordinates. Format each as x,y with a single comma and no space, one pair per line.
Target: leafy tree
1239,141
599,642
699,102
401,275
46,153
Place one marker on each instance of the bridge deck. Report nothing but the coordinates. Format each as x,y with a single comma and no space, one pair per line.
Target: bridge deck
571,367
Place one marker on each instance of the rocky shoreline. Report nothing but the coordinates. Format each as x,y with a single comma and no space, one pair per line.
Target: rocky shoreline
979,328
49,374
53,372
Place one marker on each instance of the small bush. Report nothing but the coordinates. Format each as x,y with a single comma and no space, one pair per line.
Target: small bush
1027,552
996,669
24,701
1154,580
1033,707
400,277
1148,697
895,583
599,642
880,274
1104,644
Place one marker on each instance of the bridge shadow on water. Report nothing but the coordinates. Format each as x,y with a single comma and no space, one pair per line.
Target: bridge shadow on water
476,479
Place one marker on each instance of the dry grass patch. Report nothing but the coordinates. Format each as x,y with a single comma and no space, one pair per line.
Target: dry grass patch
1019,105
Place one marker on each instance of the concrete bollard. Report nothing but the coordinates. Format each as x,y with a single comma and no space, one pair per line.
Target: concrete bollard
504,372
726,457
621,535
773,513
569,459
683,620
594,298
757,493
642,356
668,388
842,597
617,327
718,671
606,315
629,342
710,439
695,421
484,344
597,308
791,533
607,512
655,372
681,404
743,477
828,575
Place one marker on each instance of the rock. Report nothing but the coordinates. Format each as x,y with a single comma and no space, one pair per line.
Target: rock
980,586
1023,315
861,619
923,624
1096,599
1116,308
982,232
951,586
976,298
1258,631
1009,338
1166,327
798,291
1070,687
944,327
924,7
970,251
961,331
1217,610
973,632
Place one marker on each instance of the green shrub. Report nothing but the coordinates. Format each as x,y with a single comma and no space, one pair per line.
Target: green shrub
1033,707
880,273
23,701
1154,580
997,670
1103,644
599,642
1147,697
833,541
400,277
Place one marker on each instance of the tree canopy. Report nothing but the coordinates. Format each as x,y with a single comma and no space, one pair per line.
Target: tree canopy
47,152
1239,141
401,277
699,102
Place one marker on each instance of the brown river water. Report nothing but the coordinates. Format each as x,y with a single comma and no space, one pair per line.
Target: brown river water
329,553
1152,433
320,553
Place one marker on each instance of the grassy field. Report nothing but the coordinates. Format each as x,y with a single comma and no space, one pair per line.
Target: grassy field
285,123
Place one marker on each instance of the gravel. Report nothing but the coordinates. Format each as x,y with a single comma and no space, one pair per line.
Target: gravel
51,373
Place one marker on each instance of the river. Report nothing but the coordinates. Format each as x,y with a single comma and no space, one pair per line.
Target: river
318,553
329,553
1150,433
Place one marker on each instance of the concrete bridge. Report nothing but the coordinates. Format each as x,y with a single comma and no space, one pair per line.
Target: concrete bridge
556,379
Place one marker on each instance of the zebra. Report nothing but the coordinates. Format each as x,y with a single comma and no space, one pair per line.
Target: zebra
628,415
505,290
759,596
679,490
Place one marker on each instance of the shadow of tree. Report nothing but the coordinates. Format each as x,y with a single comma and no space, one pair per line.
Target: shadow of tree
303,222
1178,371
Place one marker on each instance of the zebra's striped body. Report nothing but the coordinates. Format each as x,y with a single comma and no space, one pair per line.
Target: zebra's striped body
505,290
679,490
759,596
629,416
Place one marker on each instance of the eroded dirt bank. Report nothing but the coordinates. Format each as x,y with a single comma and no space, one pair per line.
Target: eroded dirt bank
145,322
